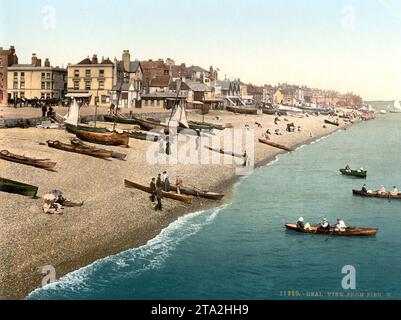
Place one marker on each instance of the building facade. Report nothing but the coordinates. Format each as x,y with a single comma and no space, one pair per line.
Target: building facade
7,59
93,77
34,81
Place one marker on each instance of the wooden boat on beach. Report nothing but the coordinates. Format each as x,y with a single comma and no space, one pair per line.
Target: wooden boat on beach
108,118
12,186
73,129
39,163
170,195
199,193
140,135
269,111
108,138
331,122
349,232
387,196
116,155
238,155
354,173
275,145
211,125
89,151
242,110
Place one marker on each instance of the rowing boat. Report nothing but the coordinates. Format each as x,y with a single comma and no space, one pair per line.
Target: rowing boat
73,129
212,125
199,193
12,186
242,110
116,155
233,154
142,135
351,231
39,163
354,173
107,138
199,126
275,145
170,195
331,122
376,195
119,120
269,111
89,151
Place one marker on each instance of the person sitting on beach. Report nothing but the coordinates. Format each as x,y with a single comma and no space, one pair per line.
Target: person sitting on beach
340,225
364,188
300,223
325,225
382,190
394,192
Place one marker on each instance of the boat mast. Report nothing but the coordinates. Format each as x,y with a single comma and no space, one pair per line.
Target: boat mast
116,108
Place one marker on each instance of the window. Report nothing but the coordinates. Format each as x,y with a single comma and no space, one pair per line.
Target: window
87,73
87,85
48,96
43,85
48,75
15,75
22,74
15,85
101,85
22,94
76,73
42,95
48,85
101,73
104,98
43,75
22,85
76,85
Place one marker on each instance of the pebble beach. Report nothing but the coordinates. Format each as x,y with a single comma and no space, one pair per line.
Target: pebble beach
113,217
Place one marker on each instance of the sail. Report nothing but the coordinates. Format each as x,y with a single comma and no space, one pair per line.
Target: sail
72,115
397,106
180,116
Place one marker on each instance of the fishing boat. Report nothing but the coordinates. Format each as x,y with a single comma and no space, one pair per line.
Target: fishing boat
153,125
170,195
108,118
140,135
211,125
73,128
349,232
12,186
238,155
199,126
199,193
39,163
331,122
242,110
106,138
354,173
376,195
275,145
89,151
116,155
269,111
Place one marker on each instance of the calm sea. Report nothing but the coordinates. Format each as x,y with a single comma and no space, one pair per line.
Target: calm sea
241,250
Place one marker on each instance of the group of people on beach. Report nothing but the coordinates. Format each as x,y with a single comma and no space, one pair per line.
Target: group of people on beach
162,184
340,225
48,111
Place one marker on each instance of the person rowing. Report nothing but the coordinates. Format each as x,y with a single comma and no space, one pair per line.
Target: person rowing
365,188
325,225
301,223
347,168
340,225
394,192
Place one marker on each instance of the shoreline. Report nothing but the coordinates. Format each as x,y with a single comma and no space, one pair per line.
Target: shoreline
138,235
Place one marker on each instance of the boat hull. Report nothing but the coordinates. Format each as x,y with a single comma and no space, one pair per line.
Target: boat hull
89,151
202,194
332,123
276,145
170,195
387,196
349,232
39,163
108,138
354,173
16,187
242,110
73,129
119,120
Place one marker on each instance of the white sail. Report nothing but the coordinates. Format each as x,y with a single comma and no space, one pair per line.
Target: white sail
180,116
72,116
397,106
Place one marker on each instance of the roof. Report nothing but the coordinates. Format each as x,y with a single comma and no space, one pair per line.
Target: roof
184,86
160,81
107,61
225,84
164,95
85,61
134,65
150,64
181,71
198,69
198,86
33,67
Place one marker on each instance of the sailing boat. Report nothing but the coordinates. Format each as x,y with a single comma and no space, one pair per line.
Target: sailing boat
71,119
396,107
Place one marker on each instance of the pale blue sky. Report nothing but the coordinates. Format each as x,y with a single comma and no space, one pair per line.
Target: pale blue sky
352,45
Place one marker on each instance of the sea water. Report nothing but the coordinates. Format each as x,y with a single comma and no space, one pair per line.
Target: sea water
242,251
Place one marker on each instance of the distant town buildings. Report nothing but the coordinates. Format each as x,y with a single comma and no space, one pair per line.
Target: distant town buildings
7,59
36,81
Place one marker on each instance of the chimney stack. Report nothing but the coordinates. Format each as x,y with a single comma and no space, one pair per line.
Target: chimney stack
34,60
126,60
94,59
47,62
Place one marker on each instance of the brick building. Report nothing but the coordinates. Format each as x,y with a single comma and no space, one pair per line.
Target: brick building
7,59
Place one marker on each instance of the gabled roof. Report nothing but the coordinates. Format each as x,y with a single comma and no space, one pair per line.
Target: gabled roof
198,69
85,61
160,81
134,65
184,86
107,61
198,86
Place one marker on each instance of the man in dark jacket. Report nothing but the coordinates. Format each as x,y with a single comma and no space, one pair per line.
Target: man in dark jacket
153,190
159,197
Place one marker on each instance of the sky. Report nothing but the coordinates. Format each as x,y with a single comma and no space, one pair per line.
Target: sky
344,45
